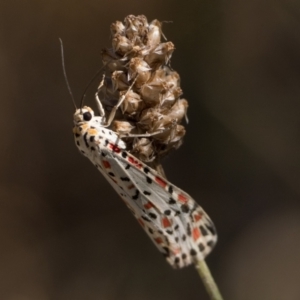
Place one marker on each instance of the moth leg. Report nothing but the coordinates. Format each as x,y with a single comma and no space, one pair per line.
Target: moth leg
129,135
98,101
137,135
115,108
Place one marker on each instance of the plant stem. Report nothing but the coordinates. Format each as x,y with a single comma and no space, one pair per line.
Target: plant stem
208,281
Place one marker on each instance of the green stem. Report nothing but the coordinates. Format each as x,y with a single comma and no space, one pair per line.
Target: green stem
208,281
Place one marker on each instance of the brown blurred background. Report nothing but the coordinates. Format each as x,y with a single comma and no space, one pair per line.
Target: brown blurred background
64,232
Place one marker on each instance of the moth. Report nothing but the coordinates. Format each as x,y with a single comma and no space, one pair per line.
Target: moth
176,224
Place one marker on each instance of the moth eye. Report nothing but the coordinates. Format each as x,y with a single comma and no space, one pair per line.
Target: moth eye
87,116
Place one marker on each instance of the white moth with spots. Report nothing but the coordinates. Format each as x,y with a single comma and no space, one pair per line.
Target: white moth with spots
177,225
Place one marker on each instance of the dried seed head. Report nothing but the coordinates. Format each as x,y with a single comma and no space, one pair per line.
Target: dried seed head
117,28
119,81
154,34
138,74
140,70
122,127
121,44
132,103
111,61
160,55
143,149
136,27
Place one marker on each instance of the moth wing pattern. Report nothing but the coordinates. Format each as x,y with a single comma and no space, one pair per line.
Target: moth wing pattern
176,224
118,177
189,230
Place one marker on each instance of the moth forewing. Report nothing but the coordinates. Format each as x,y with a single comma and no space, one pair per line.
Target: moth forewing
176,224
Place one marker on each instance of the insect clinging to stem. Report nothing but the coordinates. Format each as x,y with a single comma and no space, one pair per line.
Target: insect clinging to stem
177,225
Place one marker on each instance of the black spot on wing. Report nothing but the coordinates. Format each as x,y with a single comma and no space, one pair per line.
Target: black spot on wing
152,215
211,229
188,230
135,197
146,219
201,247
203,230
167,252
172,201
210,244
177,260
185,208
193,252
85,140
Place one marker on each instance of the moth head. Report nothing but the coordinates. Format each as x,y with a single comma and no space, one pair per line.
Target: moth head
83,115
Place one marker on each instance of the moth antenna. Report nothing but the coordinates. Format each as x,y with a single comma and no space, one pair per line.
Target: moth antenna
64,70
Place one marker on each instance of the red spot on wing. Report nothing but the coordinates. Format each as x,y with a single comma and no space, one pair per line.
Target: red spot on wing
134,162
148,205
106,164
131,160
114,148
197,217
166,222
130,187
158,240
161,182
196,233
182,198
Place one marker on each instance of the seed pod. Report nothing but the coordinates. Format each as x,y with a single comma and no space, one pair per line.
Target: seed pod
119,81
122,127
143,149
121,44
140,70
178,110
111,61
151,93
117,28
154,34
151,120
138,73
136,26
160,55
132,103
